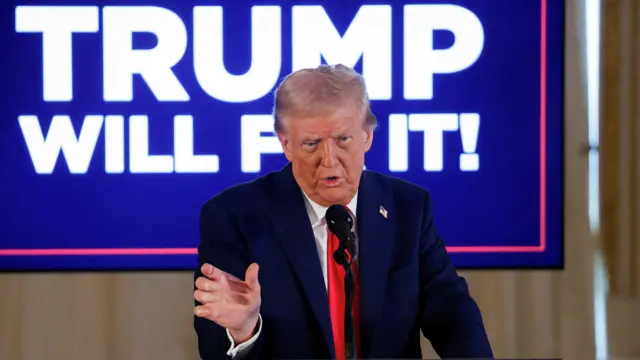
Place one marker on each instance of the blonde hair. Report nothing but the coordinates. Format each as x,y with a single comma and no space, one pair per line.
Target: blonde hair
320,91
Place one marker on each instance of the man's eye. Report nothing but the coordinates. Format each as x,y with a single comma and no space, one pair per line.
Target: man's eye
310,143
343,138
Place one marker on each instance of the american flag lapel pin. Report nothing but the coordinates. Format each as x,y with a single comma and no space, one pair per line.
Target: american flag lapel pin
383,211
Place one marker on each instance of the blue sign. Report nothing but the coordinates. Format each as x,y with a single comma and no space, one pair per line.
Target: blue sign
121,118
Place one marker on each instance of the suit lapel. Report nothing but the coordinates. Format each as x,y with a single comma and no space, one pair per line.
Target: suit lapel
375,240
293,229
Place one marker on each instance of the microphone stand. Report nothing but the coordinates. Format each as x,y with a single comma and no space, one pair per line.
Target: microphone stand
342,258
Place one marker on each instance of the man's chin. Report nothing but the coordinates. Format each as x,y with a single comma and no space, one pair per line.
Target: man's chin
336,196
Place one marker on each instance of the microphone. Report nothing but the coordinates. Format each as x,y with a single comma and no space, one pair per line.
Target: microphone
340,223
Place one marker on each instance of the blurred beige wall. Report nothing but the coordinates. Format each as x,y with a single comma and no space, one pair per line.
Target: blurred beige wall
620,172
138,316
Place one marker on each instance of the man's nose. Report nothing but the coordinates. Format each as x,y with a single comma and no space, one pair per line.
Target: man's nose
329,159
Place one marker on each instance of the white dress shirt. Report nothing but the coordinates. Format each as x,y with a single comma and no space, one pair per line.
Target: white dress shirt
320,232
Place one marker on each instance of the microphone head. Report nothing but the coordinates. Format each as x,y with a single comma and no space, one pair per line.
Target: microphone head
341,257
339,221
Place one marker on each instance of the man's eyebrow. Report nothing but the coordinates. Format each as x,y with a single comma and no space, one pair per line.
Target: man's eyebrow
311,138
342,133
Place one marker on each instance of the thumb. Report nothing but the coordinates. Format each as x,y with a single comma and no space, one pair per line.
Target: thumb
251,276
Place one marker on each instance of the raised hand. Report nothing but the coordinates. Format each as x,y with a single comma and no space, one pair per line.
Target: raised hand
228,301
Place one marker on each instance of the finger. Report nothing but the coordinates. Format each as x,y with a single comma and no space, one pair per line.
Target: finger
202,311
217,279
251,277
206,297
219,289
202,283
207,270
212,272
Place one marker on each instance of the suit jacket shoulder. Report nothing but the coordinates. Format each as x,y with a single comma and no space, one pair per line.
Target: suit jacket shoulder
239,197
405,194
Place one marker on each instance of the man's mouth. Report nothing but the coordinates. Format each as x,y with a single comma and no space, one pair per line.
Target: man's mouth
331,181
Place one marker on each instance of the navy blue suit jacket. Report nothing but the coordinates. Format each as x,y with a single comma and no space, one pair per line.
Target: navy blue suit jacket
407,281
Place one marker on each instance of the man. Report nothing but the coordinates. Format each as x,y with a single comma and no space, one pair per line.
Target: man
405,281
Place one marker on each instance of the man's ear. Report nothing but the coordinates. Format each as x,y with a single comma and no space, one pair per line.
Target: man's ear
285,143
369,138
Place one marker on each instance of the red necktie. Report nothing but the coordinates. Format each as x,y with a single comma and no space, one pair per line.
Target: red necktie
337,299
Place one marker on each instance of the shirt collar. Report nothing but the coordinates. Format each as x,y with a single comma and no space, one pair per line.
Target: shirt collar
318,212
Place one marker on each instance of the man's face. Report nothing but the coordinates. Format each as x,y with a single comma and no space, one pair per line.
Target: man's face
327,154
